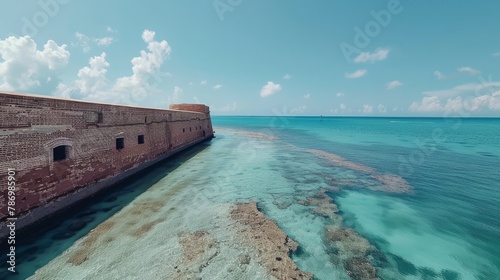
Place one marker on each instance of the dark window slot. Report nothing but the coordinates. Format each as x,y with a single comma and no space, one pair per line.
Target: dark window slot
120,143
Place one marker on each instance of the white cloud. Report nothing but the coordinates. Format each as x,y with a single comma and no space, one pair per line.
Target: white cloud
378,55
358,74
395,109
175,97
469,70
465,88
473,104
85,42
216,87
341,109
458,104
148,36
269,89
92,79
453,105
367,109
144,68
497,54
298,110
439,75
204,82
93,85
394,84
307,96
24,68
109,29
339,94
382,108
231,107
287,77
104,41
428,104
196,100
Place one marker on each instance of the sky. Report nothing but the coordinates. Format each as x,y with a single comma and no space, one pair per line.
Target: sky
259,57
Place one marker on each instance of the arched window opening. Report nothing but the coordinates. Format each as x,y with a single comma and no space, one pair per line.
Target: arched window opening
60,153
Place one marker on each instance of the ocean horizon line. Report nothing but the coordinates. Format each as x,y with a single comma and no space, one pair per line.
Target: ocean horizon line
360,117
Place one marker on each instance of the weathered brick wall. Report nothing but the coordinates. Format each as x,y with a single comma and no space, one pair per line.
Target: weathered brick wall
32,126
190,107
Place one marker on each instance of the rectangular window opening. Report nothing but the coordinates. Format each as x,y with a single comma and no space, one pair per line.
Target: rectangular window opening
120,143
140,139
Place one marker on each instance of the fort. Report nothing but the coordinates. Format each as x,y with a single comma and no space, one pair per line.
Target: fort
66,150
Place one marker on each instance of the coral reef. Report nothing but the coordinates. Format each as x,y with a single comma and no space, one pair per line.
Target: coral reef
347,247
272,244
249,133
389,182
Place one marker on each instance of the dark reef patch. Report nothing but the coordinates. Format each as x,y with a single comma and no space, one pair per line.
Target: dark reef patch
449,274
404,267
360,269
299,252
427,273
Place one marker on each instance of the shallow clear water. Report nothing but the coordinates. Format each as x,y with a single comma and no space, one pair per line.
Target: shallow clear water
448,227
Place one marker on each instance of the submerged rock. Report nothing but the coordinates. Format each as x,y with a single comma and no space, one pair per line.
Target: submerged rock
323,205
347,241
352,251
359,268
283,203
272,244
388,182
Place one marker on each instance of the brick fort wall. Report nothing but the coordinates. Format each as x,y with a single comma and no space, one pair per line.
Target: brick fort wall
59,146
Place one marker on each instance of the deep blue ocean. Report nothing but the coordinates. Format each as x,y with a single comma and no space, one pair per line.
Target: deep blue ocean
438,217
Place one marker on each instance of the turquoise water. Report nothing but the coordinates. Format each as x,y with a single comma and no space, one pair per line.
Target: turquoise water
450,224
446,227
